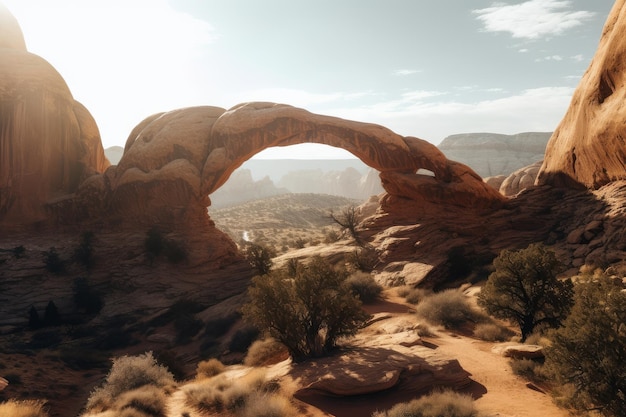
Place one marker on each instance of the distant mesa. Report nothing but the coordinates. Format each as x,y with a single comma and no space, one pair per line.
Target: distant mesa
493,154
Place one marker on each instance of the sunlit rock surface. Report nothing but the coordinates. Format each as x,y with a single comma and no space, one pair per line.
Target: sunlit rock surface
521,179
49,143
173,161
588,147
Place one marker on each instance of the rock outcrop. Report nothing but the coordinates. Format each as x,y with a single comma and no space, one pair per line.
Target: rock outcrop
492,154
521,179
588,147
173,161
49,143
386,355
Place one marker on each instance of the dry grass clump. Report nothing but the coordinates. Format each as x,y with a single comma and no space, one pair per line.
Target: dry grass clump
492,332
437,404
127,374
210,368
532,370
412,295
449,308
24,408
252,395
145,401
265,352
363,285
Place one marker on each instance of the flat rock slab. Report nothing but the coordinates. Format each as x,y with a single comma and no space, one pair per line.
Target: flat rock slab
519,351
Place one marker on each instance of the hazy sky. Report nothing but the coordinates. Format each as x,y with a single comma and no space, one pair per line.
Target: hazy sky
425,68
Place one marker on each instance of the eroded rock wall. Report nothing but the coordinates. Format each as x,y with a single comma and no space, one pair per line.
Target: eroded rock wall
588,149
49,143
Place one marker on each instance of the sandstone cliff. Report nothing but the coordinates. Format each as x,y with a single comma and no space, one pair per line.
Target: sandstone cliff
49,143
588,147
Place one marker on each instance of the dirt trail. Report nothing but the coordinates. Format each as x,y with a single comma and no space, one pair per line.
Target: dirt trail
506,394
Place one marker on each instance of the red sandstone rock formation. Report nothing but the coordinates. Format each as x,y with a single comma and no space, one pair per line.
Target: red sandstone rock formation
173,161
49,143
588,148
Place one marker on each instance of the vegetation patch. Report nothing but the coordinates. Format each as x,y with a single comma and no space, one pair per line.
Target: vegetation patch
449,308
438,404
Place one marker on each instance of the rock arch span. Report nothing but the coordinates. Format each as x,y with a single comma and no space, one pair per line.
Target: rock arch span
173,161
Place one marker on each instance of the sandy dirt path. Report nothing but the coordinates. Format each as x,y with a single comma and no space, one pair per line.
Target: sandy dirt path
502,393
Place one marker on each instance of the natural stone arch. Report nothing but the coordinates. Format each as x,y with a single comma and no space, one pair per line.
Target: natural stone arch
174,160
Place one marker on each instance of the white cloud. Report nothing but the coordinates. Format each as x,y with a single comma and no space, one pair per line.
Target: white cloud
532,19
404,72
578,58
537,109
550,58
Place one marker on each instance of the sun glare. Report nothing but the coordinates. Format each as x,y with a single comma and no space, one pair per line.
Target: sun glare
143,56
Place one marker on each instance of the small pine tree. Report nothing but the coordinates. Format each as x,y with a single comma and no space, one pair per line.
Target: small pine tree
260,257
589,351
524,288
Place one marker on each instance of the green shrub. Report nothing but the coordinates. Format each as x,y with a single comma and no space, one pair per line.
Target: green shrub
449,308
364,286
127,374
23,408
363,259
265,352
587,353
209,368
308,313
492,332
438,404
525,289
259,257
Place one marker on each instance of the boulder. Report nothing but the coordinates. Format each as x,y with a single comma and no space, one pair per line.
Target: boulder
520,179
519,351
387,354
587,149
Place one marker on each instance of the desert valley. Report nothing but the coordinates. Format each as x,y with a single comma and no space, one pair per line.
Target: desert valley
178,277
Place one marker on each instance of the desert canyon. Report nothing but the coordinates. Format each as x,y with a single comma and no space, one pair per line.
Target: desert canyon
56,184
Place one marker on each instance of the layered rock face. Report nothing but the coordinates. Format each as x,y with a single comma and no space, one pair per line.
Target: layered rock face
588,147
49,143
492,154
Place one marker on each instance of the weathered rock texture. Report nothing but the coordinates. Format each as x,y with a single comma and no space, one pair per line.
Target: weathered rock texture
49,142
387,355
173,161
588,148
492,154
521,179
